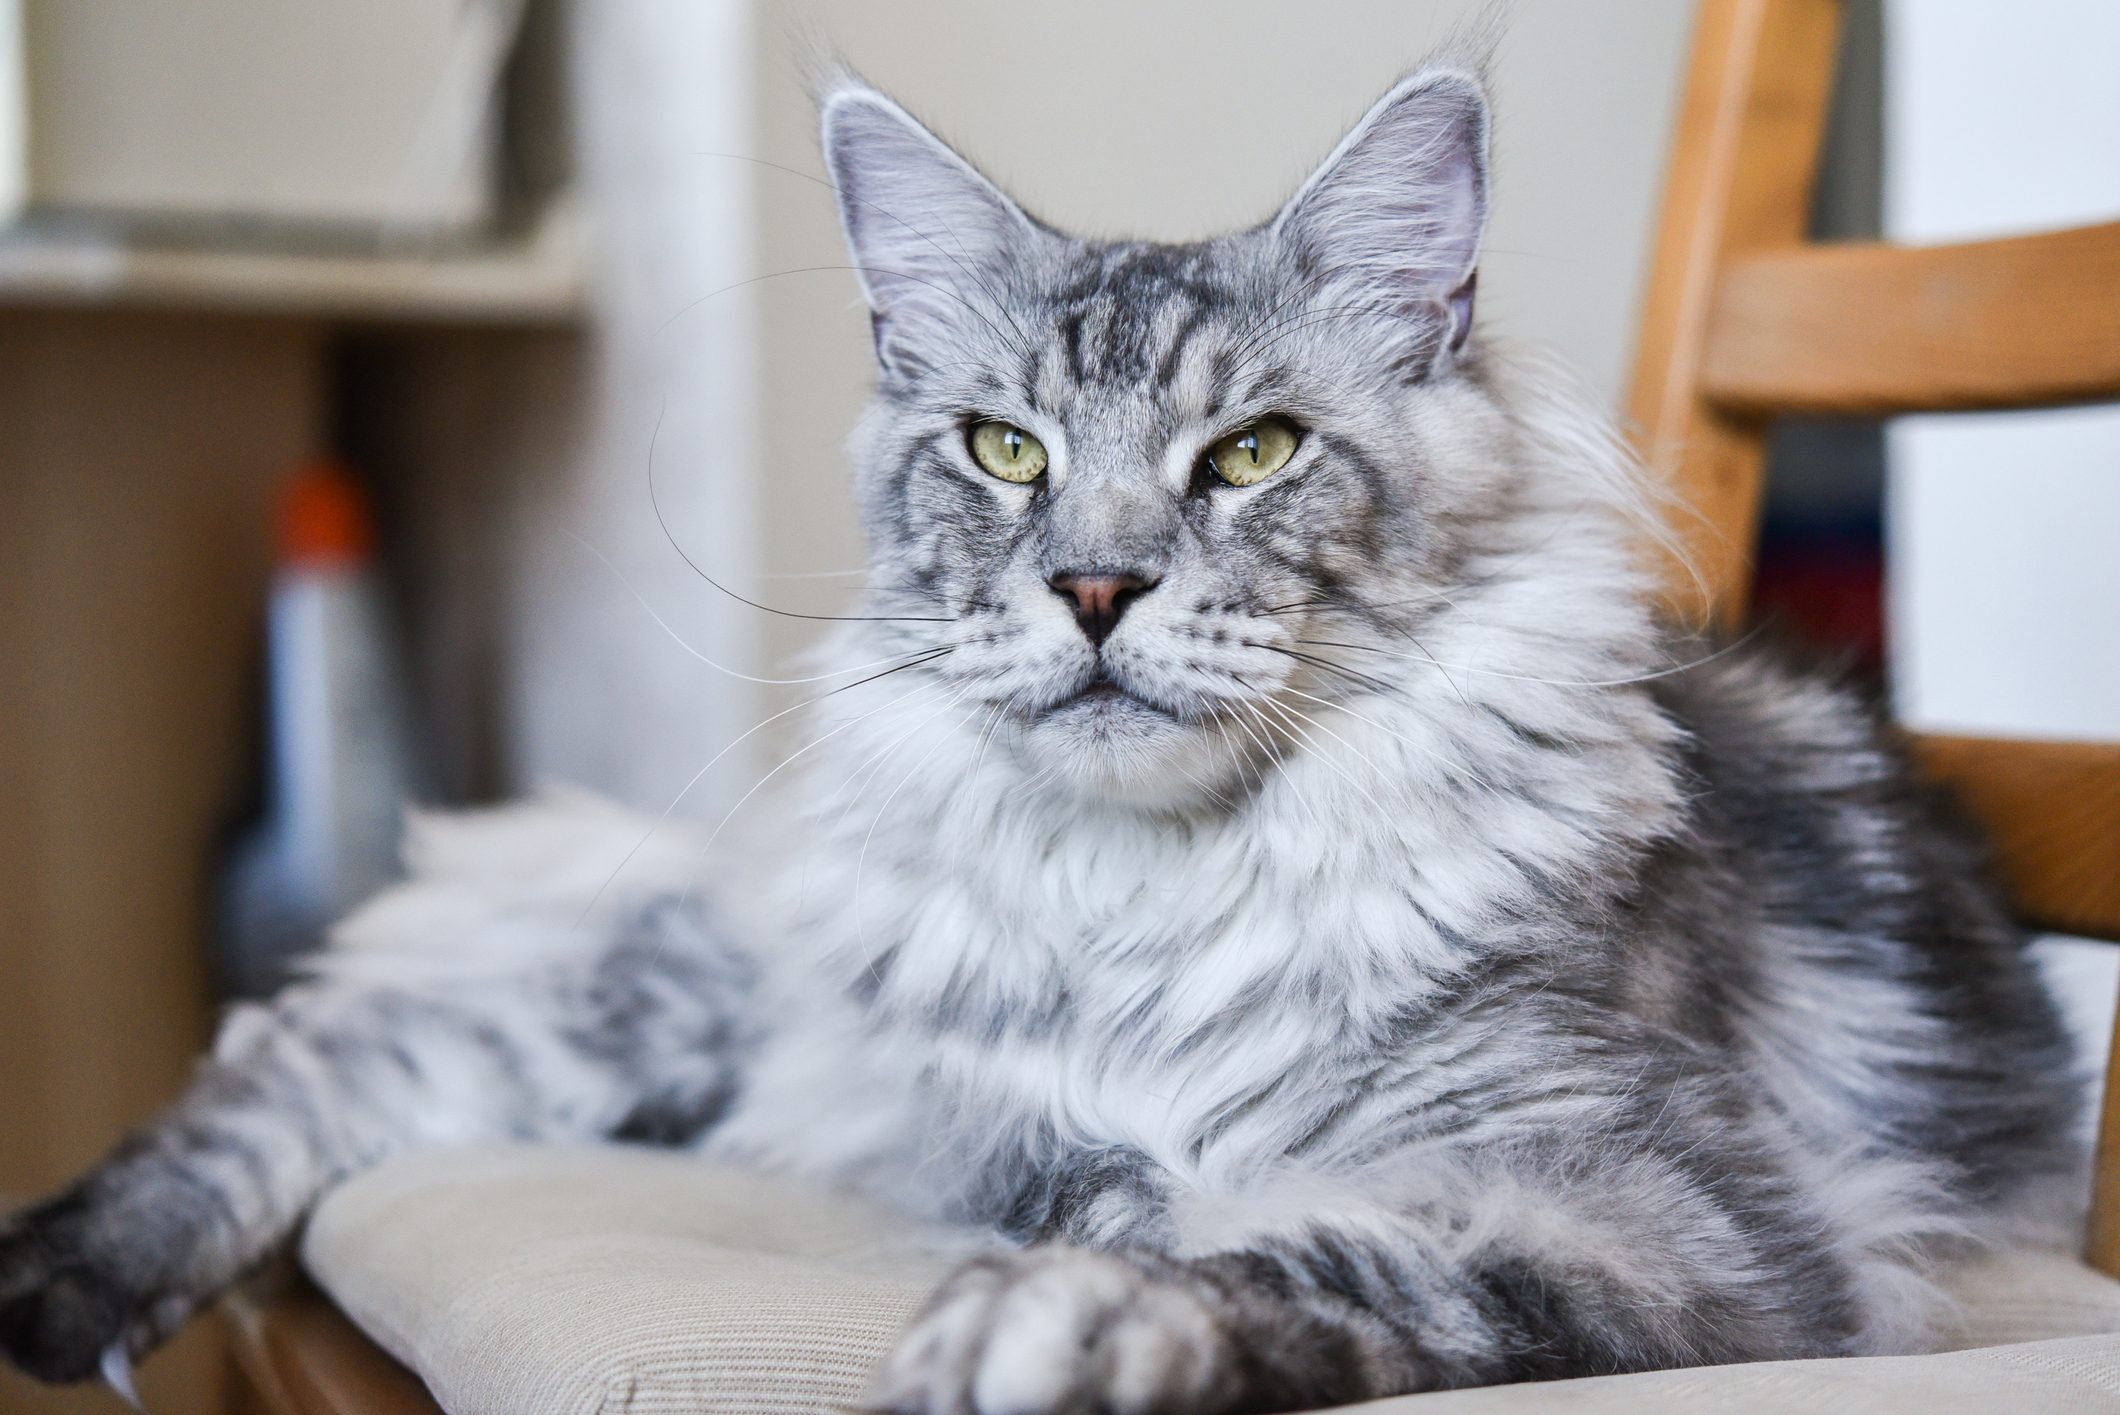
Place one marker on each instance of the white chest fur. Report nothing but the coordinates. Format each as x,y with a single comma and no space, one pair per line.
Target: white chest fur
1188,985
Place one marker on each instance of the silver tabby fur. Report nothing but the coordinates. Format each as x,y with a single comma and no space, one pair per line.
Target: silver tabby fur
1392,960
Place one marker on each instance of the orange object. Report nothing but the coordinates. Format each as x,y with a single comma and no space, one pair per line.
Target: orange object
325,518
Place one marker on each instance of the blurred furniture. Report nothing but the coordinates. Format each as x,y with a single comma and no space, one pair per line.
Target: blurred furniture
488,1272
144,429
151,398
300,1356
351,121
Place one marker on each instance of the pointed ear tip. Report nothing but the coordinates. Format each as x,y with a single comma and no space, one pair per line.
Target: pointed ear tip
854,113
840,94
1443,79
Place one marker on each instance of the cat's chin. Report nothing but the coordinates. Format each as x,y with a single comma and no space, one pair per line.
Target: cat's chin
1112,746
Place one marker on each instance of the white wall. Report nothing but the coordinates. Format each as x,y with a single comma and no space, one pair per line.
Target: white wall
2004,528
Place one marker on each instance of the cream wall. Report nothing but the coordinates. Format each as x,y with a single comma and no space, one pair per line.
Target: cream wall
1175,120
2004,527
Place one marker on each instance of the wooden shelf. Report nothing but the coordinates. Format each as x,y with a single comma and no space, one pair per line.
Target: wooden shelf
537,278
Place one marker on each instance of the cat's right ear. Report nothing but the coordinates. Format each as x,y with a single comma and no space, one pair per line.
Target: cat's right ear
925,228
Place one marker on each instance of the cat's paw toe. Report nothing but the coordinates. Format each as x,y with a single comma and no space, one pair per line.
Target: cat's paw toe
59,1310
1062,1330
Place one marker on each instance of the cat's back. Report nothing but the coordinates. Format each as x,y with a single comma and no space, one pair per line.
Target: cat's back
1846,935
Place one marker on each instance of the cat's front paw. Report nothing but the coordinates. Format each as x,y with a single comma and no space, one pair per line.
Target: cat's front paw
64,1302
1056,1330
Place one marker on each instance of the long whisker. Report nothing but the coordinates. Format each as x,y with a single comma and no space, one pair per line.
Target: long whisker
655,501
1207,789
863,774
1258,766
1310,318
746,735
1268,334
1326,757
687,646
1310,809
1371,648
1344,604
1266,755
1242,344
1266,751
1649,677
1467,772
1373,684
852,786
995,719
783,764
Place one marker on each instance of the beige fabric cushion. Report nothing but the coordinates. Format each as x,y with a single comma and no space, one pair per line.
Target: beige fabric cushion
535,1281
2079,1374
555,1282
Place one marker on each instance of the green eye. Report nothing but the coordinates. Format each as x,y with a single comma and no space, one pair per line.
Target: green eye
1250,455
1008,451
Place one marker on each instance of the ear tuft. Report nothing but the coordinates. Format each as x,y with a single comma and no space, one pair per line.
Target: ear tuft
1397,211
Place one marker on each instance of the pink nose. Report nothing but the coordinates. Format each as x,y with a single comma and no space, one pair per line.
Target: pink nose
1099,598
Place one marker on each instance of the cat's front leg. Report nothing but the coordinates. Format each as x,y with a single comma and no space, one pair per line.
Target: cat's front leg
1098,1314
453,1011
1529,1261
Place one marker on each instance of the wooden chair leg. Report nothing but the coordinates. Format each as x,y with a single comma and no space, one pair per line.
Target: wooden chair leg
300,1355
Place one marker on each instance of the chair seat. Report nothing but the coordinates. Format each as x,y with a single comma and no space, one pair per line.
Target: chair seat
554,1282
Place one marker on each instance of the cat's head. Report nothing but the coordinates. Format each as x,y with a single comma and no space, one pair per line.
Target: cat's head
1142,481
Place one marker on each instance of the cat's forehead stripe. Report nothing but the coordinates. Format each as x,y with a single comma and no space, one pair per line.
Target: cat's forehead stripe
1129,318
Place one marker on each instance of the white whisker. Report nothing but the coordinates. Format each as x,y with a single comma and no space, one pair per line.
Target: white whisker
717,666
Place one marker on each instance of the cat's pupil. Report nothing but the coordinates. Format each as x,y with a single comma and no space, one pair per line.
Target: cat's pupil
1250,443
1013,440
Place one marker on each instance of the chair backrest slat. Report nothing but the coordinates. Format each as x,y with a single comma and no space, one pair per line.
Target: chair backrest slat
2053,812
1876,329
1750,123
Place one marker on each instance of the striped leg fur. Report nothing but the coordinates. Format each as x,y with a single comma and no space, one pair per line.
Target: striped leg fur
473,1004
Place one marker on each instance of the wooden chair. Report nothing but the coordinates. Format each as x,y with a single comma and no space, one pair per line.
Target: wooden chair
297,1354
1745,321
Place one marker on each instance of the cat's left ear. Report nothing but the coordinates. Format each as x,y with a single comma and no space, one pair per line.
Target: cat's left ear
926,229
1396,213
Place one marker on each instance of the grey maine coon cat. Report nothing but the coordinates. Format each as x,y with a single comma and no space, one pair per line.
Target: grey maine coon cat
1270,866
